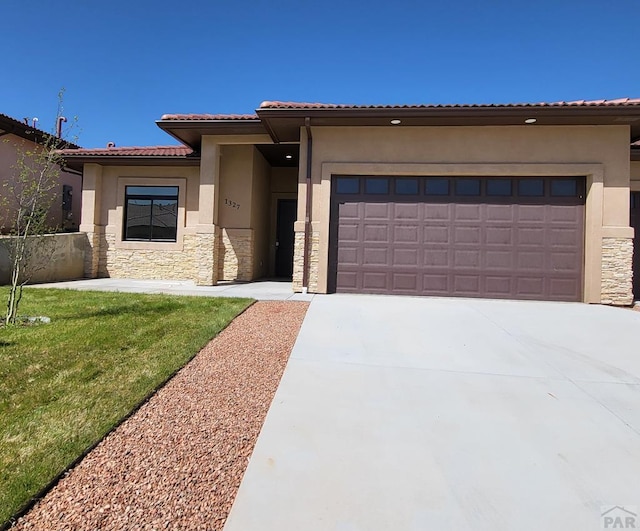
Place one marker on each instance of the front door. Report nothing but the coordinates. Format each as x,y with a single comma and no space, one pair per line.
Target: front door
286,217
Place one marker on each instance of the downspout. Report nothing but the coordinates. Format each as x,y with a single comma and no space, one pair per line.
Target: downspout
307,211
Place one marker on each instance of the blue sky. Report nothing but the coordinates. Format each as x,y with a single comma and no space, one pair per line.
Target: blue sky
125,63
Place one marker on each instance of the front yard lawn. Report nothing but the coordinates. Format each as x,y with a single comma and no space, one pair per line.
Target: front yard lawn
65,384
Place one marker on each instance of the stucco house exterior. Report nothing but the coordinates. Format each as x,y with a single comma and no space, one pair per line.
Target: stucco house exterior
20,137
523,201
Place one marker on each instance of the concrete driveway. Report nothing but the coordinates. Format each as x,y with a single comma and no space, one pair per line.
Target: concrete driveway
398,413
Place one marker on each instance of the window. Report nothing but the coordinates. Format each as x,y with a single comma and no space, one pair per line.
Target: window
436,186
501,187
376,186
468,186
406,186
347,185
531,188
564,188
151,213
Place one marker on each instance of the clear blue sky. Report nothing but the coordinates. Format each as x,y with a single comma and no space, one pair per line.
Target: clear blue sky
125,63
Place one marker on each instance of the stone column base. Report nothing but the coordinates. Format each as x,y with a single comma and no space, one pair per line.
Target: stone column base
298,261
617,271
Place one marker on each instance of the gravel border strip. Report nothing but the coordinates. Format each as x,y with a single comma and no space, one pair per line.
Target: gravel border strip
177,461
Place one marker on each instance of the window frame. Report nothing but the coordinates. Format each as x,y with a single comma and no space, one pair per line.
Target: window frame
116,223
152,198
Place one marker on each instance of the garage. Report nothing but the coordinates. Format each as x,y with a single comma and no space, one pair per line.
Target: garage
493,237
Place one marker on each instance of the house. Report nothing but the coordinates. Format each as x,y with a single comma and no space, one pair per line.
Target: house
20,137
520,201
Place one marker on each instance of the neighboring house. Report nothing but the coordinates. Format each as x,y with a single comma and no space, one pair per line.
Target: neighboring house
522,201
16,137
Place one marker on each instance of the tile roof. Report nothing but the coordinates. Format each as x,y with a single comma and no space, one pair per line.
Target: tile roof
28,132
578,103
196,117
131,151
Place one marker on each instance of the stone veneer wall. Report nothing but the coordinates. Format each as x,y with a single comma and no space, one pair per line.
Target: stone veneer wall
298,261
617,271
236,254
155,263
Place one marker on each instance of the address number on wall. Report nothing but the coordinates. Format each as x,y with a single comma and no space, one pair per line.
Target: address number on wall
231,204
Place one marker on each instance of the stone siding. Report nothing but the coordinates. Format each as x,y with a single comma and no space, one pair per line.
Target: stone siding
298,261
236,250
162,264
617,271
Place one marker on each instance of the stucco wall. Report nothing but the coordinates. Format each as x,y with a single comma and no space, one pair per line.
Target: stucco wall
54,257
10,146
601,153
260,210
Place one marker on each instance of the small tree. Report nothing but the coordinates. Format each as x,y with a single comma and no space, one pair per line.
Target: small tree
28,198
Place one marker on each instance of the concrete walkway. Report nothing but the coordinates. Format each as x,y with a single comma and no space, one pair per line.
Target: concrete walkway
263,290
399,413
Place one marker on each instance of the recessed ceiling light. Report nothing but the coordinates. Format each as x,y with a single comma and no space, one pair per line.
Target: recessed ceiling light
530,121
396,122
288,156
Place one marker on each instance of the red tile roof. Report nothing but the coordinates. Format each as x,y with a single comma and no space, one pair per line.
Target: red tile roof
220,117
131,151
577,103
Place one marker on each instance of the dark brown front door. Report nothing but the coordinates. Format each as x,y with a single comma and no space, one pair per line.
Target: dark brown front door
516,238
286,217
635,223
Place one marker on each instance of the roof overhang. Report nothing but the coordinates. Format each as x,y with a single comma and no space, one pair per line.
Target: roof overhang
76,162
284,124
11,126
190,132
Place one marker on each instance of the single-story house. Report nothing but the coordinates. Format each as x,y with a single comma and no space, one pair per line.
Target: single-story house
523,201
18,138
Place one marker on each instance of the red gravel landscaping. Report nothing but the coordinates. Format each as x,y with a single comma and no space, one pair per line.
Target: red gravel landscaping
178,461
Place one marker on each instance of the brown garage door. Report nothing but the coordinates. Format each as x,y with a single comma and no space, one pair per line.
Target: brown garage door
517,238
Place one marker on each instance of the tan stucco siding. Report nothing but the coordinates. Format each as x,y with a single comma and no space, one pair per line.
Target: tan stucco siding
260,209
601,153
10,148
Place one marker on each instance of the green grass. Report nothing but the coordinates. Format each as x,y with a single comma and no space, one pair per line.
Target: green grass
64,385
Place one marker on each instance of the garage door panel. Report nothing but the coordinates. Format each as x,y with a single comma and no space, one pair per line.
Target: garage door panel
498,286
503,213
405,257
375,256
473,246
532,214
374,281
407,211
436,257
405,282
435,234
495,260
349,233
530,287
406,234
468,212
464,259
376,233
436,284
499,235
348,256
465,235
530,236
437,212
378,211
468,285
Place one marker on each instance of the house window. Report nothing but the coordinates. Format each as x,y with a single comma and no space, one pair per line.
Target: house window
376,186
151,213
347,185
